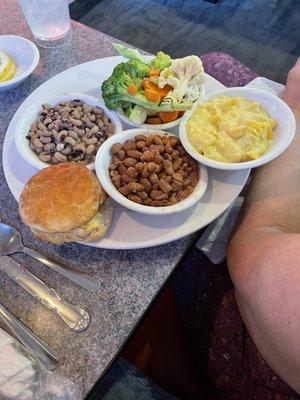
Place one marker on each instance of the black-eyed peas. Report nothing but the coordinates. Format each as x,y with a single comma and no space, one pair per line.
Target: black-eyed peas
69,131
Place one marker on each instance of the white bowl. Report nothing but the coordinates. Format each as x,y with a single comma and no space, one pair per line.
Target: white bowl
283,133
168,125
103,160
25,55
29,116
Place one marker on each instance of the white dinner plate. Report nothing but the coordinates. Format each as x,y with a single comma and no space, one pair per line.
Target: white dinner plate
129,230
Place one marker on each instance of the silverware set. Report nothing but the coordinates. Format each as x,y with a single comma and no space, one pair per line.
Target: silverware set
75,317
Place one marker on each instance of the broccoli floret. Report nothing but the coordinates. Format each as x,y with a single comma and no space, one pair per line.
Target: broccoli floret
161,61
131,54
135,68
115,86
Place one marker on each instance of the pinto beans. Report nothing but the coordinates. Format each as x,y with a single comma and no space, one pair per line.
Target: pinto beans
153,170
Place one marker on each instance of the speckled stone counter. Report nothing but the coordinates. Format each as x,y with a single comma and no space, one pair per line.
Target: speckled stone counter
130,279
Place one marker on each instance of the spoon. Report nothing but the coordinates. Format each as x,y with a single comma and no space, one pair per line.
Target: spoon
11,242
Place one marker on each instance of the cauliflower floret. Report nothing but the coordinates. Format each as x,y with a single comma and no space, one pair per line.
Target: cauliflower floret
186,76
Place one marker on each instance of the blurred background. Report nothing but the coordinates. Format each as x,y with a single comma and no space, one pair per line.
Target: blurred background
263,34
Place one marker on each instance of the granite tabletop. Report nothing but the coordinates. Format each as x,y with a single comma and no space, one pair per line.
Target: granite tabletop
130,279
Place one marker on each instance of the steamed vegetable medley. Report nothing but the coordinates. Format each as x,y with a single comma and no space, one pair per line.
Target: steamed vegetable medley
153,92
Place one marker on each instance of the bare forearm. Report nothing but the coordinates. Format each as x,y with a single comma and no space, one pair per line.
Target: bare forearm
272,207
274,198
273,203
263,262
264,254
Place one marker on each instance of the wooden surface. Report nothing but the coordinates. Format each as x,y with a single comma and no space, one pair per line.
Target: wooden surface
161,350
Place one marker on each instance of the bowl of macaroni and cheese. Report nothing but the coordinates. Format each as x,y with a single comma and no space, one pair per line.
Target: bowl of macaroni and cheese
237,128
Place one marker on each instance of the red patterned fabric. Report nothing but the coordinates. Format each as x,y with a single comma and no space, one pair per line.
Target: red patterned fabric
219,337
235,365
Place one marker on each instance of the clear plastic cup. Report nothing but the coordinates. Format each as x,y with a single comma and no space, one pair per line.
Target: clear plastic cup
49,21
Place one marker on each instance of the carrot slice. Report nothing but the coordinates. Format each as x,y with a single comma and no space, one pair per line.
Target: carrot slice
132,89
148,84
154,72
152,96
165,90
153,120
168,116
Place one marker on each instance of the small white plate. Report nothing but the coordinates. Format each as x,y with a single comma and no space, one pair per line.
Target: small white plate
103,160
278,109
31,114
129,230
25,55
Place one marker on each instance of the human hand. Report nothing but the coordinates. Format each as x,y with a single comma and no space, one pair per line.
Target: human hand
291,93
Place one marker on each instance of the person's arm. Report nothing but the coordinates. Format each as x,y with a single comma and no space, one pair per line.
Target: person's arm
264,255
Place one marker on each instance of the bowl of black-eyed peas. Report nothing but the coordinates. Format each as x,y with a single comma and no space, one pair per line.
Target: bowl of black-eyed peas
65,128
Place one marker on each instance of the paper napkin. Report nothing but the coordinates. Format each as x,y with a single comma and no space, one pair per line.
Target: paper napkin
17,372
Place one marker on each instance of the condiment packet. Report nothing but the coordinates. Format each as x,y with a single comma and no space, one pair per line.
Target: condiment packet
267,85
213,242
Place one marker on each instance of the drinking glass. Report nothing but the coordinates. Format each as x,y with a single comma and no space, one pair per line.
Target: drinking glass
49,21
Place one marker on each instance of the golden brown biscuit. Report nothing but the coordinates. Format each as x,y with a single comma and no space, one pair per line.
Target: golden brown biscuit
60,198
93,230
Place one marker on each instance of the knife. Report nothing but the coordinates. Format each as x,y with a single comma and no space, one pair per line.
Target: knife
75,317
